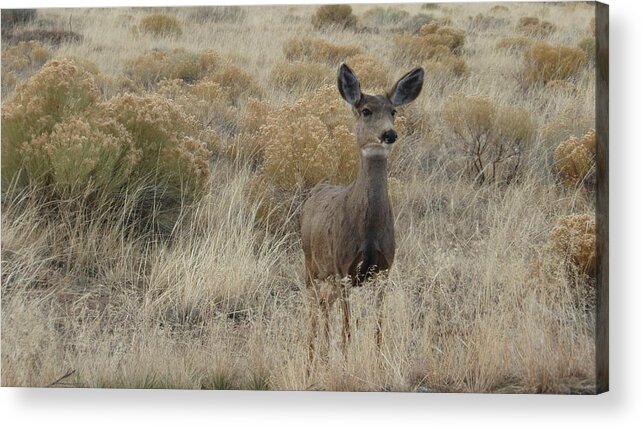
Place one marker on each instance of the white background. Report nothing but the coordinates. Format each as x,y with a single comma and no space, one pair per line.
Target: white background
619,407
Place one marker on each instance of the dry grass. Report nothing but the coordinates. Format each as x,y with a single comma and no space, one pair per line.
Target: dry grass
476,299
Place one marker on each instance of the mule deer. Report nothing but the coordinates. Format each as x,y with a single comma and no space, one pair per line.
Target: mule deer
347,232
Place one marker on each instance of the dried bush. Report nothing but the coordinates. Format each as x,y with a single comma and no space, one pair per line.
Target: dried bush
160,25
205,14
149,69
544,62
300,76
534,27
430,6
492,138
318,50
21,61
575,159
375,75
514,44
334,16
14,17
385,16
573,238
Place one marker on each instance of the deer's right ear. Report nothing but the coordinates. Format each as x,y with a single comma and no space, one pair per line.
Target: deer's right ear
349,85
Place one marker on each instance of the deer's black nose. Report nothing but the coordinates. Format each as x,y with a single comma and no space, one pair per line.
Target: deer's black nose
389,137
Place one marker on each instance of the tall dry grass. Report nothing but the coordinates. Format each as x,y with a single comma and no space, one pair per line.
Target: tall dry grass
477,300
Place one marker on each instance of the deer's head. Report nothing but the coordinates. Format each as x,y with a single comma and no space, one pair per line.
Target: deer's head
375,114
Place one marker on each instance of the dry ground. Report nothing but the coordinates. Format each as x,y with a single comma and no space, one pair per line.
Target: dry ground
474,301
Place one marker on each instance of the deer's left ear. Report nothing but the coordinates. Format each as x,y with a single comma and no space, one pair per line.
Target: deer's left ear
407,88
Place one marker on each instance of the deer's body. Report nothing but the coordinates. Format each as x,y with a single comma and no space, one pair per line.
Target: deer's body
352,235
347,232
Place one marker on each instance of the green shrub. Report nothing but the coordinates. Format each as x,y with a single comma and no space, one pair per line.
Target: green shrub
160,25
334,15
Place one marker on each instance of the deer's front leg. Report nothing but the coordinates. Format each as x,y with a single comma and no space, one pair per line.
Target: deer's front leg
345,305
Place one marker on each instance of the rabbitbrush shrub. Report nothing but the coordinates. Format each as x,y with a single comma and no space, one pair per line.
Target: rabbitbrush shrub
62,141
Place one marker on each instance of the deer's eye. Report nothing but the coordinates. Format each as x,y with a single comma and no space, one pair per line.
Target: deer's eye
393,113
366,112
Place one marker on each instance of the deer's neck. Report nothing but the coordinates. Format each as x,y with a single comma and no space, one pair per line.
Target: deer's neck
371,191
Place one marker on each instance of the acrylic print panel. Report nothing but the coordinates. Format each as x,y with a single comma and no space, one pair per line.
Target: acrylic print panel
406,197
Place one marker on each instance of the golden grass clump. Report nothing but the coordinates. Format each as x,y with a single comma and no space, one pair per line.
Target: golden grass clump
385,16
334,16
160,25
318,50
532,26
149,69
573,237
575,158
375,75
492,138
300,76
514,44
544,62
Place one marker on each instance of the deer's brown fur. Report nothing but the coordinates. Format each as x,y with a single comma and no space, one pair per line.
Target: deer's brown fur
347,232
